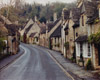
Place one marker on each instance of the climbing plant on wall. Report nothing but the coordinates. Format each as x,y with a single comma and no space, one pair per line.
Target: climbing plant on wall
94,38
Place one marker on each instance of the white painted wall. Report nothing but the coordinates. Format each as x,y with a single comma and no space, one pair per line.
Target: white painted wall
85,50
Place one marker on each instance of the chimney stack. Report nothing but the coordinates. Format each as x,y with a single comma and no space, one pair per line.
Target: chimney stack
35,19
65,13
55,17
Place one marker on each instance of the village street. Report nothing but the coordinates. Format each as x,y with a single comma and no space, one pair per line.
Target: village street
34,64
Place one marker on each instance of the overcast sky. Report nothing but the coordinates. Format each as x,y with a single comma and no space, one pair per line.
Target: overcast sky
40,1
46,1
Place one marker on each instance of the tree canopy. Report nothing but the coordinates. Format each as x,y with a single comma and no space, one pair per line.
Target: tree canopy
26,11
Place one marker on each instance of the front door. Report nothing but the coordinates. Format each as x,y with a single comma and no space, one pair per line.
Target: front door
99,54
50,43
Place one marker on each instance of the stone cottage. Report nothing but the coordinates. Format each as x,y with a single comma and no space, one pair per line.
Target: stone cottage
56,39
51,27
65,17
12,36
43,41
83,47
93,31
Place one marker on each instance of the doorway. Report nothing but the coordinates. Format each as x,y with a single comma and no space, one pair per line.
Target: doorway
99,54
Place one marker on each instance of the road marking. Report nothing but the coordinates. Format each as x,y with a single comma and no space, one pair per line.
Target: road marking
61,66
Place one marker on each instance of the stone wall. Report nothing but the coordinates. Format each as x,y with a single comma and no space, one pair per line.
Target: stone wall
70,39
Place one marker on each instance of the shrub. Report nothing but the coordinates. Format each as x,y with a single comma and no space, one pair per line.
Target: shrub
2,45
94,38
89,65
72,59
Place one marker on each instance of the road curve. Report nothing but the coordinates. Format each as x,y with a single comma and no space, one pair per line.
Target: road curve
34,64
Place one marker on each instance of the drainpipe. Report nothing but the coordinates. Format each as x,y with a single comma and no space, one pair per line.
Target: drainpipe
74,54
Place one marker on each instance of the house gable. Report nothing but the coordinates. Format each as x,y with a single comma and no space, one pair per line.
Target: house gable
34,29
30,22
56,25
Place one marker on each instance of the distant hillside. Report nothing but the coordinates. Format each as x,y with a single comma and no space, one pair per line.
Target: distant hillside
30,11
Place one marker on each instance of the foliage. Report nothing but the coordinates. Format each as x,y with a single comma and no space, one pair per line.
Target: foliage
66,45
2,45
89,65
96,21
72,59
42,19
26,11
94,38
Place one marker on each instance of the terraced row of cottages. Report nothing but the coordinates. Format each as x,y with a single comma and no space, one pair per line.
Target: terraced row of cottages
9,37
75,34
80,25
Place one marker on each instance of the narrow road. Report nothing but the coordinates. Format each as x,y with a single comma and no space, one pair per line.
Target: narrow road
34,64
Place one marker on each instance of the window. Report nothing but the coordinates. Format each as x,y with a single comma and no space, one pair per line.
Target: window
55,40
37,39
89,50
82,20
76,34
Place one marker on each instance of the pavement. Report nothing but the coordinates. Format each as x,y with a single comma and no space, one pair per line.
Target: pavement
34,64
5,62
78,73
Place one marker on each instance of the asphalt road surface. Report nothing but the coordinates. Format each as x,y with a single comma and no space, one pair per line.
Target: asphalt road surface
34,64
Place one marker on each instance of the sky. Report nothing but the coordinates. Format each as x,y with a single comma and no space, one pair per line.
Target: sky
38,1
50,1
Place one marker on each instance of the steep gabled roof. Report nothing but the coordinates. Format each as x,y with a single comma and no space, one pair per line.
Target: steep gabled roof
12,29
43,30
32,35
75,14
51,25
95,13
57,32
88,8
4,20
82,39
29,22
27,29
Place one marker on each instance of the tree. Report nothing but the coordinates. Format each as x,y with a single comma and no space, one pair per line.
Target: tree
43,19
